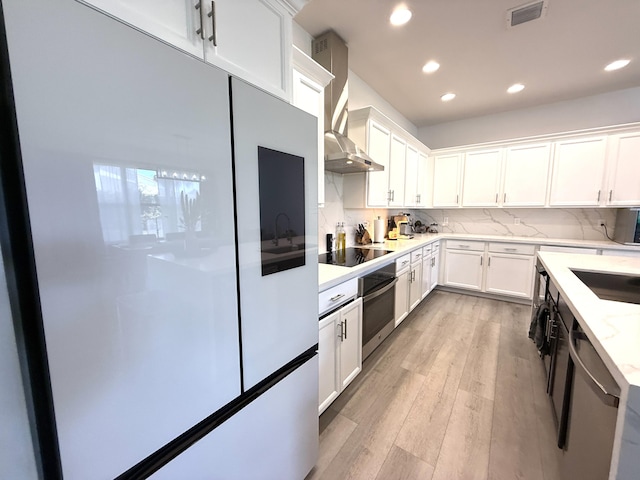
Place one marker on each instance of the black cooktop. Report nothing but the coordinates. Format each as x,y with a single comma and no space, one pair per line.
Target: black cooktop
351,256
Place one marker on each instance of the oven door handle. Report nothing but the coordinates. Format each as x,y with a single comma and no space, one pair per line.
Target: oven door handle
377,293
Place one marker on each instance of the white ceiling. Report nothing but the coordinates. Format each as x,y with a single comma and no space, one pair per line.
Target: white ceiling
558,57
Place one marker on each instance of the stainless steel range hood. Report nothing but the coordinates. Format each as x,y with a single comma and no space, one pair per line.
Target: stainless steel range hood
342,155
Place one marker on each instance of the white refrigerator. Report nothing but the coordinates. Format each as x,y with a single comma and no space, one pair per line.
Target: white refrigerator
173,214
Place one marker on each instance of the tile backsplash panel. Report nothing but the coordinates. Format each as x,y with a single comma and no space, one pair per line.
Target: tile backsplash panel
569,223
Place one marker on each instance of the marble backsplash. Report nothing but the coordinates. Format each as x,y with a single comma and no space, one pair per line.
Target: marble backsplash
570,223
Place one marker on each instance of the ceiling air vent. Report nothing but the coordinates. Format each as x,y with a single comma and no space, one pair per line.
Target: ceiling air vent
526,13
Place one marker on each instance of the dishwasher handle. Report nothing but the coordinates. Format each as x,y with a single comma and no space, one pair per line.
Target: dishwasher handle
379,292
605,396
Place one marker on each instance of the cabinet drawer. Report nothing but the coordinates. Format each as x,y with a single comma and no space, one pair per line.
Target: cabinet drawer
335,296
416,255
426,251
464,245
512,248
403,262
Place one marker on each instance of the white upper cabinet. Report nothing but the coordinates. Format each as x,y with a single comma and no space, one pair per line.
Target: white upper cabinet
378,148
578,167
482,178
416,191
624,170
249,39
309,81
446,180
526,173
397,158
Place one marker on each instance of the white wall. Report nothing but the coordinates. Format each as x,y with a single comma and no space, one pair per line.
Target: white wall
362,95
16,450
612,108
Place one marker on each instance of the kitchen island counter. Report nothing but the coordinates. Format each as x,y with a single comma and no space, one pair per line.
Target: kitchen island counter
614,330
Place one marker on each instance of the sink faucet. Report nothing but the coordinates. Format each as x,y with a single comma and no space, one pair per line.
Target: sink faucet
287,231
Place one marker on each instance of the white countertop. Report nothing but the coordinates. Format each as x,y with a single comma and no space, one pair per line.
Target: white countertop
614,330
331,275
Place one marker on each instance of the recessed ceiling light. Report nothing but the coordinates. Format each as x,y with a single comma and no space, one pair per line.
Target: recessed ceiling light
617,64
448,97
515,88
431,66
349,162
400,16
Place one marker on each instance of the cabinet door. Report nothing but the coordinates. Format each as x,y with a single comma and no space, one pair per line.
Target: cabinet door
415,285
424,186
411,178
402,296
446,180
250,39
425,284
510,274
173,21
379,140
624,185
464,269
309,96
578,166
435,269
351,344
481,179
526,175
397,159
328,340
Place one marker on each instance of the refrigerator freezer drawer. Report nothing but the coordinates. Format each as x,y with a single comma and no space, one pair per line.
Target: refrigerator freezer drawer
275,437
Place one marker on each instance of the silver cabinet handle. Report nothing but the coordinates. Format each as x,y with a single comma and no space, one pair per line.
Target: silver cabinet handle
488,262
464,246
598,195
510,249
480,260
199,31
433,262
337,297
496,198
405,262
457,196
345,328
212,14
504,200
341,334
388,195
393,195
606,397
610,193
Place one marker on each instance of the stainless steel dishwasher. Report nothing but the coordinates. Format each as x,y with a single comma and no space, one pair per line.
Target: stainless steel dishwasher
592,412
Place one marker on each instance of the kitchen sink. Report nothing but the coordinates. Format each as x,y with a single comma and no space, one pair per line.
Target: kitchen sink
612,286
284,249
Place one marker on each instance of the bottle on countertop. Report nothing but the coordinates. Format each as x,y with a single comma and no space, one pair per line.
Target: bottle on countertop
341,242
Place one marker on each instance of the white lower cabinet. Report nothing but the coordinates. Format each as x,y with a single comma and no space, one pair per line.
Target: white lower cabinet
415,282
403,274
499,268
510,274
339,351
464,264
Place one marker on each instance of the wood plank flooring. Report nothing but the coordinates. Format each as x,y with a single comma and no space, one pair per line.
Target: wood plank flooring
455,392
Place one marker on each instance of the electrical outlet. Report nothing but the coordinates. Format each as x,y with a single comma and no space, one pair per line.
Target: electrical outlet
445,221
516,221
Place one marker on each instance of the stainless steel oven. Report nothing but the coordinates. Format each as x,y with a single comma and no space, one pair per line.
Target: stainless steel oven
377,290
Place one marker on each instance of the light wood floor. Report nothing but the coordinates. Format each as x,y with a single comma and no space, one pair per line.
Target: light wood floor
456,392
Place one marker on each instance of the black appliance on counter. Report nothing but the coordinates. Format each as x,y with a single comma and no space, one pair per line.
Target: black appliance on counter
352,256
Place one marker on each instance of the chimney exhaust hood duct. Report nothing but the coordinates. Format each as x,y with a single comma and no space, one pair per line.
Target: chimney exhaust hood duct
342,155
